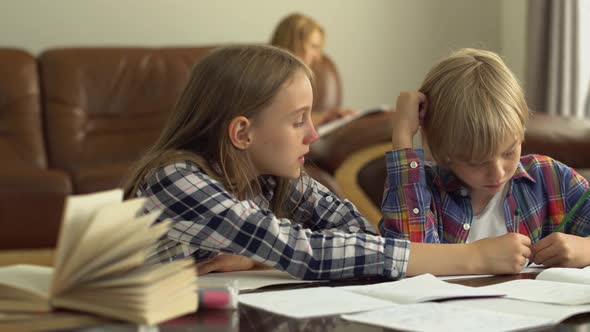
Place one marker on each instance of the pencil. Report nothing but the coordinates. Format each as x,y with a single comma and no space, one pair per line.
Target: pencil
516,220
569,215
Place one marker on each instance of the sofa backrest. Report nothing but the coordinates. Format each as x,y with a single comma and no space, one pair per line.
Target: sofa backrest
105,106
21,134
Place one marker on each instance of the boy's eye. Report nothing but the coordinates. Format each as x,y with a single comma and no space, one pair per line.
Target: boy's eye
509,153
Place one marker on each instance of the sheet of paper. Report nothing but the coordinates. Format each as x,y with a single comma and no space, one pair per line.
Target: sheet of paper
312,302
563,274
425,287
445,317
247,280
544,291
555,312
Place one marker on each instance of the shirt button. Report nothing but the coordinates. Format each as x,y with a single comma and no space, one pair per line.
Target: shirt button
329,199
416,210
413,164
466,226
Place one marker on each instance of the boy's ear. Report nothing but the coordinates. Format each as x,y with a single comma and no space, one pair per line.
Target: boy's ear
239,132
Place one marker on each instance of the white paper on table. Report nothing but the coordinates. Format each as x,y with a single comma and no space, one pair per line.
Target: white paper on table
555,312
544,291
425,287
312,302
565,274
445,317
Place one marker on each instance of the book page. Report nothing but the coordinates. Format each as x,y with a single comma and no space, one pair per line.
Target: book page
425,287
438,317
24,287
544,291
555,312
312,302
77,215
564,274
32,278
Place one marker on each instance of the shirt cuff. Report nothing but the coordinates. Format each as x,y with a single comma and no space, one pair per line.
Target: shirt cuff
405,166
397,254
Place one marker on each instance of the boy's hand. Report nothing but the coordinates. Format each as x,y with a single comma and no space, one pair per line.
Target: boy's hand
504,254
228,263
409,111
563,250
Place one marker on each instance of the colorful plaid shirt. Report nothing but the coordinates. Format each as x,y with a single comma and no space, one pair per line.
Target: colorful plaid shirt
427,203
326,238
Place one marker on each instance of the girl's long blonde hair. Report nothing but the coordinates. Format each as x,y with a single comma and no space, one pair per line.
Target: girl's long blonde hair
231,81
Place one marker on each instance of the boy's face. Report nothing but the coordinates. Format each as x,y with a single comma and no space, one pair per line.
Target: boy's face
488,177
282,133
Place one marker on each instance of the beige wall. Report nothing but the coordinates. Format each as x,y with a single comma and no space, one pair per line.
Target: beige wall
380,46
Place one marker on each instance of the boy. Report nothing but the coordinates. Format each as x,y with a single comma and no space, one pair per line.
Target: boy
473,113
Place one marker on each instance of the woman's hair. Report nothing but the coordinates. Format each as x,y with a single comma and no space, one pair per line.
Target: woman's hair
293,31
229,82
474,105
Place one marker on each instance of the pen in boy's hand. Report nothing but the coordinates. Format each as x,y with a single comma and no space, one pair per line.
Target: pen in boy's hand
571,212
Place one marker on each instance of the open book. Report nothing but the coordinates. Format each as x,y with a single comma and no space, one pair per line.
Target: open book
329,127
325,301
568,286
100,266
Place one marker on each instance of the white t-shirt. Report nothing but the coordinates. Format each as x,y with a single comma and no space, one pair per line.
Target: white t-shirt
491,221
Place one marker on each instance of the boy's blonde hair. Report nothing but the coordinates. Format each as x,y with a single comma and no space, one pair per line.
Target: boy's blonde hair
229,82
293,30
475,105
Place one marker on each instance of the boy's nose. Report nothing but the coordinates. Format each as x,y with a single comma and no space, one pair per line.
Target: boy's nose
497,171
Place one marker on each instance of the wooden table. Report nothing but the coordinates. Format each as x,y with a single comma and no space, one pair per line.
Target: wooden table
251,319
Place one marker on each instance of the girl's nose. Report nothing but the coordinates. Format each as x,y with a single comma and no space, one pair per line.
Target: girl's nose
311,136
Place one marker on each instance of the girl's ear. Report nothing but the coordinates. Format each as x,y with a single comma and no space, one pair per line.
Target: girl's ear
239,132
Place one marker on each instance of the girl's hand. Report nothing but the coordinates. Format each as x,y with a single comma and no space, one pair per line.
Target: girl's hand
409,112
504,254
228,263
563,250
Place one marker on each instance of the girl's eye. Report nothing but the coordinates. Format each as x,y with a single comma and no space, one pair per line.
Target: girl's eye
298,124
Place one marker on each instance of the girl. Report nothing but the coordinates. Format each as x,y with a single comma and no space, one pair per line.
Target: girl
227,170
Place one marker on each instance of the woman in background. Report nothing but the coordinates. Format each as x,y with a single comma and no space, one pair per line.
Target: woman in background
305,38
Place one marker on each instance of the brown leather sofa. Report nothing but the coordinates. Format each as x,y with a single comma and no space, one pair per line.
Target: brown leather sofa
73,120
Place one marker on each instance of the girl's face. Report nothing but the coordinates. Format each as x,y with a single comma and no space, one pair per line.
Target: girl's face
488,177
312,48
281,134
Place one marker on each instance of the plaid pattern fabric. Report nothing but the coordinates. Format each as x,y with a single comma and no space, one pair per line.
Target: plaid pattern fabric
427,203
325,238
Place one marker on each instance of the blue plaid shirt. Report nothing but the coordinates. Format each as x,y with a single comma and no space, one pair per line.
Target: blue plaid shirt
326,238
